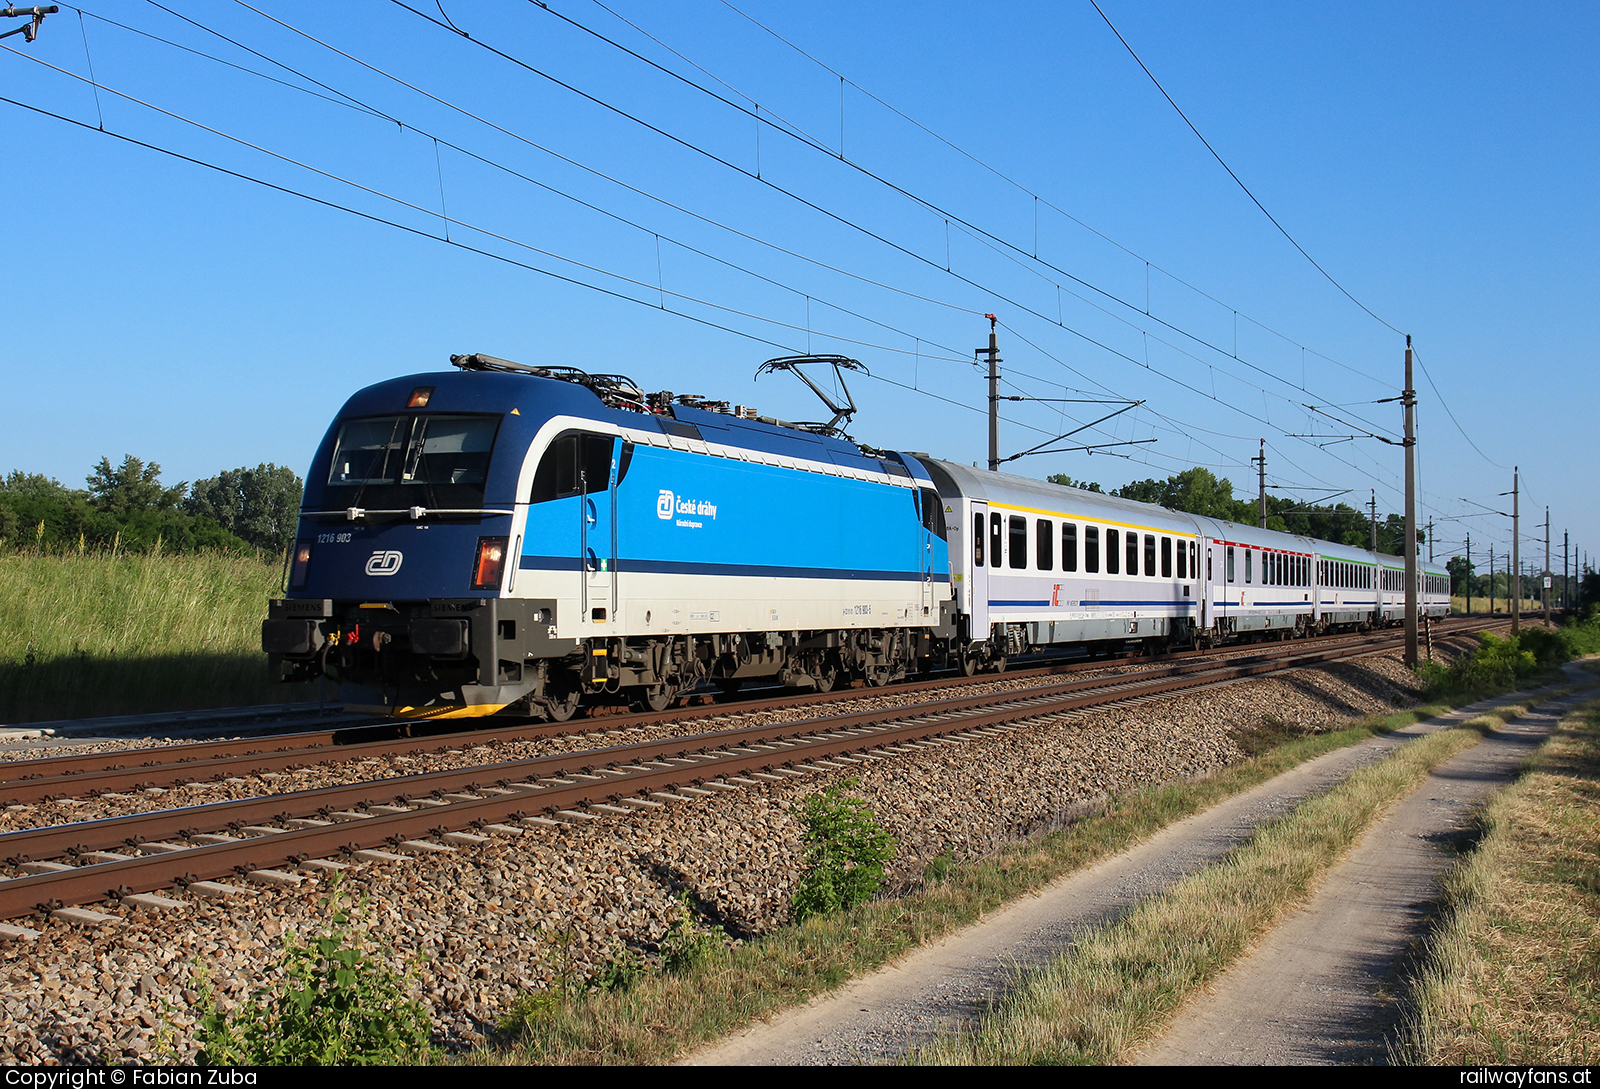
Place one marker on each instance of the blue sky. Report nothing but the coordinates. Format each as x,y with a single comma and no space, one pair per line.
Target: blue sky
1439,163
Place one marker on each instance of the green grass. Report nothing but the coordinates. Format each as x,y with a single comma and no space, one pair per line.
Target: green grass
96,634
1511,977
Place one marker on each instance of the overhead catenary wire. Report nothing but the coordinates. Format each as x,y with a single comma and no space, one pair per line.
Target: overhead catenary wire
1030,192
457,244
722,161
1284,231
502,237
971,228
758,317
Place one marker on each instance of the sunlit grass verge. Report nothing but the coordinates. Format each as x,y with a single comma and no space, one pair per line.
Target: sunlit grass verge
663,1014
1119,985
100,634
1510,977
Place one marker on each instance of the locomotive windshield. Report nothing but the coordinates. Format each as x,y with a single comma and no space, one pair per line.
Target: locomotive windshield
433,461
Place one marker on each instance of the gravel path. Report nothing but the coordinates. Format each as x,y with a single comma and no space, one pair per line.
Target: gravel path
477,928
1323,987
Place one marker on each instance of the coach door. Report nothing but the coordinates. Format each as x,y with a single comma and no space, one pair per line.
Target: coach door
597,530
978,563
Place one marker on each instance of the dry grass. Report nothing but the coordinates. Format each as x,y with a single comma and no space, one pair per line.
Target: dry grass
1116,987
97,634
665,1014
1513,975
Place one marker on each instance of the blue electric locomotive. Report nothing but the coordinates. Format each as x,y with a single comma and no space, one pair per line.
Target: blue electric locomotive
508,537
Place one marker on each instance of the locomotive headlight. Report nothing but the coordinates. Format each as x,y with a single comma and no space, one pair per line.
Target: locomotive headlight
491,563
301,565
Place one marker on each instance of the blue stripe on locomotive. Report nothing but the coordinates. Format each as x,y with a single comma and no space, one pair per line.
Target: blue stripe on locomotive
689,513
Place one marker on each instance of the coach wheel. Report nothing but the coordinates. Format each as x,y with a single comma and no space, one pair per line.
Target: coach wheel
559,708
652,698
969,662
826,677
997,665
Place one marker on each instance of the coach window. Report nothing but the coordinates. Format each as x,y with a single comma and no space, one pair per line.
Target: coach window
997,541
977,540
1166,557
1150,556
1069,546
1249,564
1044,539
1111,552
1133,552
1091,549
1183,554
1019,541
1230,563
1194,567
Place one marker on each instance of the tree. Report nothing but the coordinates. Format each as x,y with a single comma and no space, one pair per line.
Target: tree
261,505
34,486
1067,482
1194,491
131,488
1460,571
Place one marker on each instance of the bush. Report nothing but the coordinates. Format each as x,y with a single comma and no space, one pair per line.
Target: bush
336,1005
1502,663
846,850
686,943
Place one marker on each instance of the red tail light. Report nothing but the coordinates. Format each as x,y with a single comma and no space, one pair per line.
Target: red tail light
491,564
300,565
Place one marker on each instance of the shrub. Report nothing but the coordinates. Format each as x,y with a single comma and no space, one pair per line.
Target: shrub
336,1005
846,850
686,943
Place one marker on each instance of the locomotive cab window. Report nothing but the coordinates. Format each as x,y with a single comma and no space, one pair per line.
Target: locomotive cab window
426,460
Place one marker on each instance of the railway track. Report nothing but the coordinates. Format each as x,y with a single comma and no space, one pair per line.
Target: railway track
95,773
283,838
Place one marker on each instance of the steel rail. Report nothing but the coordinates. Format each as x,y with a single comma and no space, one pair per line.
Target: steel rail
25,781
740,753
